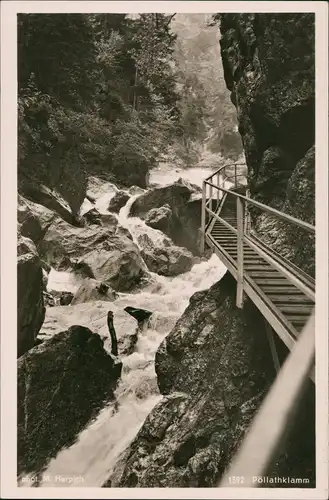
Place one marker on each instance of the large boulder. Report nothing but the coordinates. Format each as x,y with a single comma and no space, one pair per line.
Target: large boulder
91,289
213,368
184,200
269,67
62,384
53,200
159,218
30,305
118,201
168,260
93,315
107,253
28,223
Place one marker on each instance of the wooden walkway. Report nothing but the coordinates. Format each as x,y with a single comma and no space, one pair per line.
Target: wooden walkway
284,294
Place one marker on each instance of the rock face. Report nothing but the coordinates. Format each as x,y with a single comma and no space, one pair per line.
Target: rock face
184,201
118,201
268,62
31,309
107,252
166,261
62,383
213,369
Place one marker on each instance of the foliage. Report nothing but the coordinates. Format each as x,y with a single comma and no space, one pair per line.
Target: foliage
96,93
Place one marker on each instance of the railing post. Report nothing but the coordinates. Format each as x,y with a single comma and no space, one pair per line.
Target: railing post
236,181
239,288
210,196
203,218
218,181
247,214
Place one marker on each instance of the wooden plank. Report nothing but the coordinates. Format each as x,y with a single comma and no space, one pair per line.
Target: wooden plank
279,281
277,290
296,318
300,309
264,274
253,266
288,297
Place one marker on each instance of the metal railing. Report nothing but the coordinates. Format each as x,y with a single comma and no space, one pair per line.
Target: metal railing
242,229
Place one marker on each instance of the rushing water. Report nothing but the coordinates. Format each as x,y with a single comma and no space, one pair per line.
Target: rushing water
98,447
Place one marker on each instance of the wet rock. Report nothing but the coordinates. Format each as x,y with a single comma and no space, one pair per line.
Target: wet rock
93,315
62,384
104,251
133,190
140,315
184,201
159,218
118,201
66,298
167,260
214,369
92,289
49,299
119,264
44,278
30,305
93,216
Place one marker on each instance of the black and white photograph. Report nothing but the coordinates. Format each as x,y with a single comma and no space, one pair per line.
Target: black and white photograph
170,305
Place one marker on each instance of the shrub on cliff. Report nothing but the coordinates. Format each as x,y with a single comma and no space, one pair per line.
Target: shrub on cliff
93,91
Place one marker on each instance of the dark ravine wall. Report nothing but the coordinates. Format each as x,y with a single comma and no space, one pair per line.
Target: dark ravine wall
269,67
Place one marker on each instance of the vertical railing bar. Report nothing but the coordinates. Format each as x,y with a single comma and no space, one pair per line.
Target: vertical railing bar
271,341
247,214
239,288
218,181
210,196
236,181
203,218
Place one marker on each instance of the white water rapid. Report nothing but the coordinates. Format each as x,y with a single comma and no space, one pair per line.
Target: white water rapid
97,448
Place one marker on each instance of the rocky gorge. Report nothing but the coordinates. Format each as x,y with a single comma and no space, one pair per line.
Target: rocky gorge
172,407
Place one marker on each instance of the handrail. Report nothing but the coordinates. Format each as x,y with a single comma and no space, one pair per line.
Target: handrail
224,166
266,208
269,429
